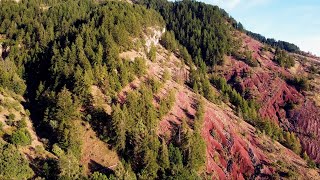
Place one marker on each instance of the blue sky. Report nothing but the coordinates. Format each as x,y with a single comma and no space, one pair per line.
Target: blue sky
296,21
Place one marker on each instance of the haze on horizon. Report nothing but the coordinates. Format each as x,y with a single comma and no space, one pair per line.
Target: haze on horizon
292,21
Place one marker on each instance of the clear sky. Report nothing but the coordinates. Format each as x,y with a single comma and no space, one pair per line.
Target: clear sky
296,21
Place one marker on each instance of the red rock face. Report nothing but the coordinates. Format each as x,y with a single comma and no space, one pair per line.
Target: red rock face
307,121
272,93
229,154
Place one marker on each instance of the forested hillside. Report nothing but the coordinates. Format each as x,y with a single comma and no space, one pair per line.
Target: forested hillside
213,38
145,89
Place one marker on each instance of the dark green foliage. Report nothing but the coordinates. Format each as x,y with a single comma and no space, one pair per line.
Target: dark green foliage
98,176
72,45
119,119
283,59
169,42
200,83
272,42
199,27
197,151
60,116
13,165
175,157
197,154
246,108
299,82
21,137
134,125
22,123
166,104
166,75
10,119
69,166
164,160
49,169
9,77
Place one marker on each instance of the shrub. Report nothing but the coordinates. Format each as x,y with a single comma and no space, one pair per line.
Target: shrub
11,117
21,137
1,126
139,66
283,59
152,54
166,75
300,83
155,85
22,123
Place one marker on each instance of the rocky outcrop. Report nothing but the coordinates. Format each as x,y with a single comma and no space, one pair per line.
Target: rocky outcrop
154,37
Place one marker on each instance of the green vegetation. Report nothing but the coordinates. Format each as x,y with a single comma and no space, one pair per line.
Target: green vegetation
58,53
155,85
248,110
140,119
299,82
200,83
310,162
199,27
21,137
9,77
13,165
246,57
152,54
166,104
98,176
169,41
283,59
272,42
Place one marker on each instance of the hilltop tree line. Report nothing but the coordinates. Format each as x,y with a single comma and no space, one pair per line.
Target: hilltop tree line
290,47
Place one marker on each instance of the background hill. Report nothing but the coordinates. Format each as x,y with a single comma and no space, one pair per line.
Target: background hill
151,90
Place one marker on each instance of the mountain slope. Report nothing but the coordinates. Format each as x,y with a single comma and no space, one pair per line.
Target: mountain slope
114,94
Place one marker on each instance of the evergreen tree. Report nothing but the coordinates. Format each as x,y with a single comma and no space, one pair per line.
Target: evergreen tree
119,127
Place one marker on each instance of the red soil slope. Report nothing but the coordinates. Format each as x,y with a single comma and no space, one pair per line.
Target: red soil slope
234,151
266,85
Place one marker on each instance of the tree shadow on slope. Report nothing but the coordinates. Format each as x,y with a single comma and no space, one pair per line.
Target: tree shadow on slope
96,167
101,123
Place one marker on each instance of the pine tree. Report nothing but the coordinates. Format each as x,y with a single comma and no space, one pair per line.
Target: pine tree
119,127
164,155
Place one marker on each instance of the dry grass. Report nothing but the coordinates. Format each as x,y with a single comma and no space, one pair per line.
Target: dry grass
95,150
